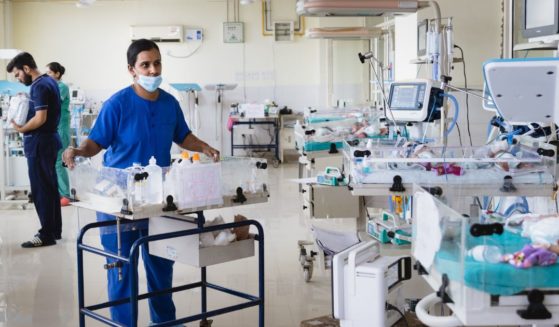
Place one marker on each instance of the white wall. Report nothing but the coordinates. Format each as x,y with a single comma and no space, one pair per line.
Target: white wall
91,43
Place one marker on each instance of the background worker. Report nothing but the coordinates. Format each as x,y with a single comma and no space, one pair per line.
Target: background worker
40,144
56,70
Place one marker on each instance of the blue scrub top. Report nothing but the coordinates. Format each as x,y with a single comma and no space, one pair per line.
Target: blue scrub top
44,95
133,129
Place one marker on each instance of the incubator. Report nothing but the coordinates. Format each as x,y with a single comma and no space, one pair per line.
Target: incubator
325,130
486,274
499,163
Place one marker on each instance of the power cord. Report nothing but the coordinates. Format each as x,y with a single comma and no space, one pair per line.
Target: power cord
467,95
394,308
459,134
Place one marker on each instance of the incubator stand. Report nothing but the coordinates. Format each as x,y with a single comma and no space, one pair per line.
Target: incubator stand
106,190
461,261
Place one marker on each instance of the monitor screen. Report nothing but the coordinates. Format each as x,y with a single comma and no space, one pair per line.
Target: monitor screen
540,18
422,28
74,94
409,96
540,13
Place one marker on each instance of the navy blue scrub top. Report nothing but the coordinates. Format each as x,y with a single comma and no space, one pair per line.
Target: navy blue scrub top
44,95
133,129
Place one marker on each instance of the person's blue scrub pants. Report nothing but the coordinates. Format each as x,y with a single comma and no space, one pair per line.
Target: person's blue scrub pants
159,273
44,189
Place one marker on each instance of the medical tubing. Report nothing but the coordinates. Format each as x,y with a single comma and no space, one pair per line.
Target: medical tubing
517,207
422,307
456,113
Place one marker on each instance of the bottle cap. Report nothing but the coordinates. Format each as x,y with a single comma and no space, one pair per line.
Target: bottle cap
196,157
152,161
185,155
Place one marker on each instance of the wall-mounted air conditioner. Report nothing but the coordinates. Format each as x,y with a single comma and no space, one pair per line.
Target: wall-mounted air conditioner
167,33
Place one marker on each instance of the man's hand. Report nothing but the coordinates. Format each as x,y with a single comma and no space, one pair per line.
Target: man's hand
211,152
17,127
68,157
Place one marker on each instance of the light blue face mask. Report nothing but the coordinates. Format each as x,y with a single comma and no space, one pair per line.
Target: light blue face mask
149,83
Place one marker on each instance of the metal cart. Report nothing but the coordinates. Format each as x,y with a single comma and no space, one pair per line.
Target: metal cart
132,260
271,120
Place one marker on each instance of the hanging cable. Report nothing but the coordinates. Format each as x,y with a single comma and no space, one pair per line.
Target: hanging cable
456,111
467,95
384,98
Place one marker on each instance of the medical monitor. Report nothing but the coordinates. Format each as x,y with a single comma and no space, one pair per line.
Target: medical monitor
77,96
422,28
540,18
412,101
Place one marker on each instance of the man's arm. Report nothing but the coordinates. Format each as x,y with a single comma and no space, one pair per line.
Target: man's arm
37,121
192,143
88,148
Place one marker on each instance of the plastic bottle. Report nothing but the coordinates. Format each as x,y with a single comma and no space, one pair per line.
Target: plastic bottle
171,179
154,182
136,184
486,253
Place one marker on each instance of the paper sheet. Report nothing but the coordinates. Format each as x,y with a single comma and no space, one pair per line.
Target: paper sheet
428,233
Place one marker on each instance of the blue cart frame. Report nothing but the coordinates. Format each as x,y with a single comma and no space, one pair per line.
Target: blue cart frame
132,260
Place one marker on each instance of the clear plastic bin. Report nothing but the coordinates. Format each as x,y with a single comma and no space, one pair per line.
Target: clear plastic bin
113,190
104,187
250,174
197,185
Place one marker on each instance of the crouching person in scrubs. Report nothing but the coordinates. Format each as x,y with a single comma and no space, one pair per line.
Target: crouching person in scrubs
136,123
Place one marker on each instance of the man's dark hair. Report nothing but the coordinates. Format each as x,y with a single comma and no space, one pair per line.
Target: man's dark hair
22,59
138,46
56,67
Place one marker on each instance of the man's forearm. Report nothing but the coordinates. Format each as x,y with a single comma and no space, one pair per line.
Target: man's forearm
32,124
192,143
88,148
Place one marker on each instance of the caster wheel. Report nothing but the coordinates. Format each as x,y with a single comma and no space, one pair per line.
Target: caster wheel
275,163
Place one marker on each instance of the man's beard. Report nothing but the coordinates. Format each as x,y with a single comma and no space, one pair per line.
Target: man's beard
27,80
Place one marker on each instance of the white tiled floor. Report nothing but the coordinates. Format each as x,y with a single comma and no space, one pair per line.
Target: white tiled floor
38,286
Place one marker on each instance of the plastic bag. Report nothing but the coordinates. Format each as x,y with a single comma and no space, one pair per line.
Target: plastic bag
18,109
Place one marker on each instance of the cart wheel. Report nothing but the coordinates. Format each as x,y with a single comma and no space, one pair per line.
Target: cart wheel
206,323
23,207
275,163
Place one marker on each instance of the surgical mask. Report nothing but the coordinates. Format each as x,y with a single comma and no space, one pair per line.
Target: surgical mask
149,83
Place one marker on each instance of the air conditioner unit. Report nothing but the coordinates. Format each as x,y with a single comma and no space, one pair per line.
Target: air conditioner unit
167,33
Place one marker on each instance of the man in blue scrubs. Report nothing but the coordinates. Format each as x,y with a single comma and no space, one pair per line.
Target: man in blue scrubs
41,144
136,123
